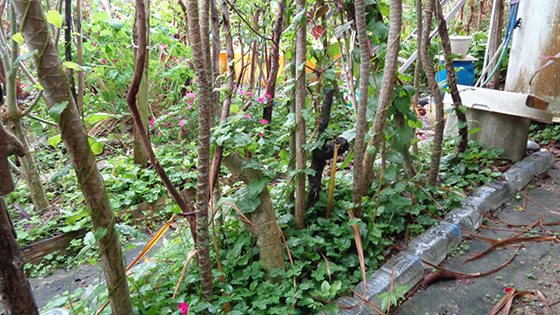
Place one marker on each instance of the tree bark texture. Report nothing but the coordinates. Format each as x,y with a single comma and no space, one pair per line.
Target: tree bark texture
300,101
430,76
320,154
200,47
267,231
361,117
57,91
230,55
142,100
80,56
452,79
275,61
15,291
386,93
9,145
68,44
13,122
216,44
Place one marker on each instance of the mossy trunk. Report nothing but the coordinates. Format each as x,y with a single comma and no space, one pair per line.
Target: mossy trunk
267,231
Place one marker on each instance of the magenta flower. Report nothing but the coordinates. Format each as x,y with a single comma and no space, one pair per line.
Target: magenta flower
165,79
152,122
163,46
261,99
182,122
188,107
250,94
103,61
183,307
93,44
260,134
235,87
268,96
190,94
263,122
115,61
247,116
241,92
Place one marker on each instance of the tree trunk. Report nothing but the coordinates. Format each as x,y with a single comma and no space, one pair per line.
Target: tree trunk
497,32
142,100
15,291
451,80
230,55
56,90
418,63
267,230
387,86
216,44
68,44
430,76
361,117
320,154
301,51
275,60
80,56
13,122
198,31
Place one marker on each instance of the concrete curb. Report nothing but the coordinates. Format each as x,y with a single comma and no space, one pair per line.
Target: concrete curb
437,242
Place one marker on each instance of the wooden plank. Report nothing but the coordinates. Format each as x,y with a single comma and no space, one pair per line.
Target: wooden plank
35,252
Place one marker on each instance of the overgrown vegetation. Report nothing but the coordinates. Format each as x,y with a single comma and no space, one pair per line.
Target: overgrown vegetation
321,260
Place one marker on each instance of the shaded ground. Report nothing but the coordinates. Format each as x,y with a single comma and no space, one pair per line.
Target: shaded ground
537,266
45,288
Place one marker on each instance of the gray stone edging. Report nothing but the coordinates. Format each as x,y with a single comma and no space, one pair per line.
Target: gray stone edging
437,242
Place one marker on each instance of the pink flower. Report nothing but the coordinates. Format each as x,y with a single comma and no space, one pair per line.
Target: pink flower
250,94
165,79
188,107
163,46
190,94
103,61
241,92
260,134
152,122
115,61
268,96
263,121
261,99
93,44
182,122
159,133
235,87
183,307
507,289
25,86
247,116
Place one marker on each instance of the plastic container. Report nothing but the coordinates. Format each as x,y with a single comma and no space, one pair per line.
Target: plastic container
408,272
495,193
464,72
57,311
460,44
541,160
477,204
466,217
520,174
434,244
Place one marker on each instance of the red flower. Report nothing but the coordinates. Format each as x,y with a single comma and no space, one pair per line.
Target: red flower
183,307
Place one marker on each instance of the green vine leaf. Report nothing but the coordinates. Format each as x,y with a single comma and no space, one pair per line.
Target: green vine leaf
54,18
18,38
57,110
71,65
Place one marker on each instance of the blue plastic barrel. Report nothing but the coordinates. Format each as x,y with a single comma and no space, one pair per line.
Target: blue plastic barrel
464,72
